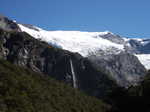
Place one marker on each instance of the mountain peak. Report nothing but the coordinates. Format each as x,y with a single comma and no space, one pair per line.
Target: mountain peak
7,24
82,42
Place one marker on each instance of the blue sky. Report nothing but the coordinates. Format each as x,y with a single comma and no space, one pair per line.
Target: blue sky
130,18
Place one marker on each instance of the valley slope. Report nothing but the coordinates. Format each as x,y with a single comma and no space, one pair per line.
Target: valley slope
74,54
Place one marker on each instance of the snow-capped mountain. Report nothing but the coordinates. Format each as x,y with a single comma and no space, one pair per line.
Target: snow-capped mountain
141,49
75,41
102,52
93,43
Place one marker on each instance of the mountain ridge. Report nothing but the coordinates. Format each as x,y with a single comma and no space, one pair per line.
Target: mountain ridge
112,74
107,52
93,42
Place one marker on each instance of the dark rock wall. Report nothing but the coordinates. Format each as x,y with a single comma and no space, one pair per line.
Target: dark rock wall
125,68
23,50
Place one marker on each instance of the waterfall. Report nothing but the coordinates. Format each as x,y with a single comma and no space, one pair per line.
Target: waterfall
73,75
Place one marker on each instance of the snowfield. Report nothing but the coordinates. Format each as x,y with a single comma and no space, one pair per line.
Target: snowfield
75,41
85,43
145,60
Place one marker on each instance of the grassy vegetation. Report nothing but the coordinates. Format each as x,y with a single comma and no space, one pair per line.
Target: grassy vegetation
22,90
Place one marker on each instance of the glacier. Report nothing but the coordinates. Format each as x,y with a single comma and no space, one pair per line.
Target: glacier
75,41
87,43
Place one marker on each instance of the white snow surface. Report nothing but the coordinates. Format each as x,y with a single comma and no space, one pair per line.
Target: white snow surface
75,41
144,59
84,43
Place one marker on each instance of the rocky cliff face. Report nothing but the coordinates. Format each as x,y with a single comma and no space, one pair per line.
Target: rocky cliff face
138,46
95,75
123,67
114,38
8,25
23,50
